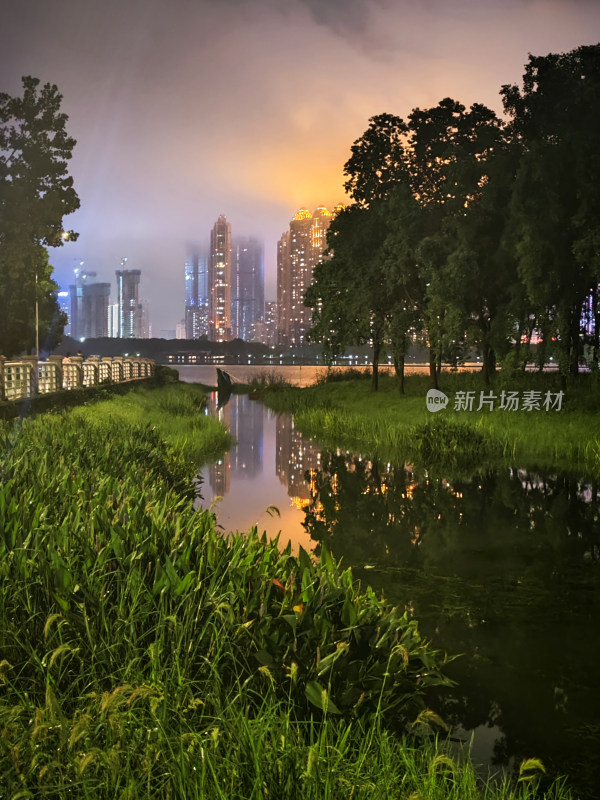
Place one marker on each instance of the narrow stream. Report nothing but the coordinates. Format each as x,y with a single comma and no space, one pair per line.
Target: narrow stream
503,568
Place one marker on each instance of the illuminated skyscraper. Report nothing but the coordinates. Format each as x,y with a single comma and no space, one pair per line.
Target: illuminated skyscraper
284,288
130,309
219,281
248,287
196,296
64,303
299,250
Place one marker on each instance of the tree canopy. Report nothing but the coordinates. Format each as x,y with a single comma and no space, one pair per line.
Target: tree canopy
556,200
36,192
481,231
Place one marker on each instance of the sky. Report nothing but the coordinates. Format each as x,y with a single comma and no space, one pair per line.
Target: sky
187,109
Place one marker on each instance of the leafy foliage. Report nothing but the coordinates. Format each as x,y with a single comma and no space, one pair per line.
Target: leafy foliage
556,207
35,193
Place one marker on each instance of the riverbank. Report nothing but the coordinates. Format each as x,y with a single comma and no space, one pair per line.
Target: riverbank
143,654
345,412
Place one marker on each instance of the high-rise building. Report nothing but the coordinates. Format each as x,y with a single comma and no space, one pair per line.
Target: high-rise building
196,296
265,330
130,309
89,301
284,288
299,250
64,303
248,286
76,299
96,298
113,320
219,281
144,330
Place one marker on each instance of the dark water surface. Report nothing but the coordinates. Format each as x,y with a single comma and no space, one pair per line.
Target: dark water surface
503,567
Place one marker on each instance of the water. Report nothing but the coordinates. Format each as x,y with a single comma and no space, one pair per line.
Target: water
300,375
261,480
502,567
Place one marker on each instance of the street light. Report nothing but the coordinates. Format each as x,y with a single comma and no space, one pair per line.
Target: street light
37,320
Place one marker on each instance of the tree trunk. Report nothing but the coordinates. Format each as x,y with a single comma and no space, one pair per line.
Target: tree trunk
375,378
489,363
527,349
575,342
596,318
433,373
399,369
518,345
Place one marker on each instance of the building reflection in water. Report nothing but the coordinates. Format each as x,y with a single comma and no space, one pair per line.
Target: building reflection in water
265,468
244,420
297,462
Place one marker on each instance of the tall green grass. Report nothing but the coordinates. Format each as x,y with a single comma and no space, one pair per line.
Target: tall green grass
177,412
392,426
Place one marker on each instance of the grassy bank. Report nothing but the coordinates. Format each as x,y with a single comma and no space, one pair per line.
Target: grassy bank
176,411
143,655
346,413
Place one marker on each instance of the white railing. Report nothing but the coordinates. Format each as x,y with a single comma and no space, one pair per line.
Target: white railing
28,377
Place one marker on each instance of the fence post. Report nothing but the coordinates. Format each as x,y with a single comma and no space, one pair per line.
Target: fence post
58,362
91,374
78,361
33,381
105,369
117,369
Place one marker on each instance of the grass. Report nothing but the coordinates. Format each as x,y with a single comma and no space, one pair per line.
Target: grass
392,426
177,412
144,655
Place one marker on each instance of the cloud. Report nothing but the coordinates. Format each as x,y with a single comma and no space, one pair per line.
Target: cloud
184,109
341,16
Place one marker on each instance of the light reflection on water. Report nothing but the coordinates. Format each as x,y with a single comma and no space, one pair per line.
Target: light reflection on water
504,568
265,468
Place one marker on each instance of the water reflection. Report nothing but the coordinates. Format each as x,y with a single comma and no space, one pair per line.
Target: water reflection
503,567
265,468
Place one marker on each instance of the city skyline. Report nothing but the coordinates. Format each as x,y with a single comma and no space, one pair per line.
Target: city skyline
183,111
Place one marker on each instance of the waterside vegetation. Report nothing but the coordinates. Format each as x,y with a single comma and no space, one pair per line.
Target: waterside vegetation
143,654
341,411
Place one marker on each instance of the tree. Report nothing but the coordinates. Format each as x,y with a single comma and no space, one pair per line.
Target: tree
405,284
35,193
482,269
379,164
379,160
455,177
555,210
349,293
